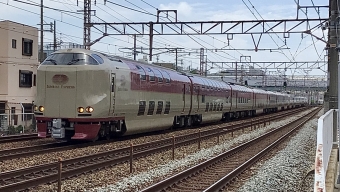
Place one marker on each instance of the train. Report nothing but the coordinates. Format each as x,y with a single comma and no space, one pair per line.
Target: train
88,95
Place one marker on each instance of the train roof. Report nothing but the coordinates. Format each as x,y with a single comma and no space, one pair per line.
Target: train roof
240,88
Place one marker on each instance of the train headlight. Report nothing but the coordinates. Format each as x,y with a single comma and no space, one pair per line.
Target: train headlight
41,108
89,109
81,109
35,108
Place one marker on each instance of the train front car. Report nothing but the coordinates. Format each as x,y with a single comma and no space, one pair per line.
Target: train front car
72,93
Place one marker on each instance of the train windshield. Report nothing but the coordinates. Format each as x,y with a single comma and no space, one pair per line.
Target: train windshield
69,59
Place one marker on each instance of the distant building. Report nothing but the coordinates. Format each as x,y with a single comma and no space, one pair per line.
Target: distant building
18,68
167,65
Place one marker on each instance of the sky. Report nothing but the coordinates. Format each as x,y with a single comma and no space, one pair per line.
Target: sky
297,47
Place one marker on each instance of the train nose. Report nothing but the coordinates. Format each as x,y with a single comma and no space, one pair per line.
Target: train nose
60,92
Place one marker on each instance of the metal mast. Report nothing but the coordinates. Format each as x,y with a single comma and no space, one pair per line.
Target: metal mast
87,19
41,32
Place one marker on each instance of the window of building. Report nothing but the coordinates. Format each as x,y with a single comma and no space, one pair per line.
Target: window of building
14,116
151,107
34,80
167,107
28,110
25,78
2,107
141,109
14,43
27,47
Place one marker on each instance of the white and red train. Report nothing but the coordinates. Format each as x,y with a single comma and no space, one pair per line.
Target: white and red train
86,95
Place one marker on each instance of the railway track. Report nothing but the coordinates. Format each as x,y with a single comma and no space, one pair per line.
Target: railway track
215,173
14,138
54,147
32,176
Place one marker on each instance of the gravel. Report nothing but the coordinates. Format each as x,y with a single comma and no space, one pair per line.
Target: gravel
73,153
286,171
17,144
156,167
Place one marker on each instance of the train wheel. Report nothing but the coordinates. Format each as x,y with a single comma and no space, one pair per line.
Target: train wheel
95,139
108,136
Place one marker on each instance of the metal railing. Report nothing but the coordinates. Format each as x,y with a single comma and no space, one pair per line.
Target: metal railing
17,123
324,148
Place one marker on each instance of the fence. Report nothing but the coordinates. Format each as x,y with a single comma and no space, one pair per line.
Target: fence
17,123
324,148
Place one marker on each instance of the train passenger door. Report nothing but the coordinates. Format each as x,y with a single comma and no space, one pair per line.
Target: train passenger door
112,93
183,98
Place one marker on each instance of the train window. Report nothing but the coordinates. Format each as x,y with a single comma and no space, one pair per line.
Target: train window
218,107
69,59
151,108
98,58
206,107
211,106
166,76
141,110
151,74
159,107
167,107
221,107
141,72
215,105
203,98
158,75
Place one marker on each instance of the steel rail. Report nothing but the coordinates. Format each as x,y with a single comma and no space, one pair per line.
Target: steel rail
32,176
196,170
13,138
54,147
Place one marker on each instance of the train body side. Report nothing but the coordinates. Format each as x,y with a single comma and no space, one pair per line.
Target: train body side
106,96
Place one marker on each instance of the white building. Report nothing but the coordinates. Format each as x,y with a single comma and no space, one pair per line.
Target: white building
18,68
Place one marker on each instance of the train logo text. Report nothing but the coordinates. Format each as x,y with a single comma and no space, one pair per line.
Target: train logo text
59,79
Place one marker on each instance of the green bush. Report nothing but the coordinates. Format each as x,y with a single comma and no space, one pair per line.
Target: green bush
11,130
19,128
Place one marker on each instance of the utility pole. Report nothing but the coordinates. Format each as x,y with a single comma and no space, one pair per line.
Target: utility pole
236,72
176,60
41,32
331,96
134,46
54,37
87,19
201,61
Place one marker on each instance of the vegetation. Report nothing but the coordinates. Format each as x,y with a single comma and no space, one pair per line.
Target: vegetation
12,130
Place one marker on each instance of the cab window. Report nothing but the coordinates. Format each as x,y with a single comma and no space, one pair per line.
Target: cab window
69,59
98,58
